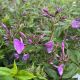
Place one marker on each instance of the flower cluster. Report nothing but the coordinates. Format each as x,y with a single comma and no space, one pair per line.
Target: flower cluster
19,47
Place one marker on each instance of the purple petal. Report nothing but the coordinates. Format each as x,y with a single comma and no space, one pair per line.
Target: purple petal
75,23
45,11
49,50
22,35
63,45
60,69
41,36
18,45
16,56
30,41
25,57
59,9
4,26
49,46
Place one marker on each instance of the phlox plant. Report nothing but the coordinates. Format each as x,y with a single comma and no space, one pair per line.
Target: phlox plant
39,39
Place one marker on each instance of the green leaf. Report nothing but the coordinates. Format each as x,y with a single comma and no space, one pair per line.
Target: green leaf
24,75
78,56
58,31
74,55
14,69
6,20
5,71
6,78
70,70
18,2
51,73
40,73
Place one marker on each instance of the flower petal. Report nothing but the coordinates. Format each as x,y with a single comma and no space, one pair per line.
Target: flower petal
30,41
25,57
60,69
16,56
49,46
75,23
63,46
18,45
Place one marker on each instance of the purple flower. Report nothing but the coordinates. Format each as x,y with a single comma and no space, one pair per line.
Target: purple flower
18,45
49,46
62,46
16,56
75,23
58,10
25,57
30,41
60,69
6,29
22,35
45,11
41,36
4,26
62,18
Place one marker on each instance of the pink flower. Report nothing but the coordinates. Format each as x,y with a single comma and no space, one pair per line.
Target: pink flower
60,69
18,45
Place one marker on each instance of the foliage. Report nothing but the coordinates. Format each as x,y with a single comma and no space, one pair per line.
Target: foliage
40,27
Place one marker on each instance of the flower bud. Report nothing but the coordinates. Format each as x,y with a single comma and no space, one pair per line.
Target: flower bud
49,46
25,57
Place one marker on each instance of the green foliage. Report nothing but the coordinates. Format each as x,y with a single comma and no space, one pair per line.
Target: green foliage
14,73
24,75
70,71
14,70
74,55
5,71
51,73
38,71
26,16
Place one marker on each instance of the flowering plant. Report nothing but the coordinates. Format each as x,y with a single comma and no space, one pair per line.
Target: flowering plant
39,39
